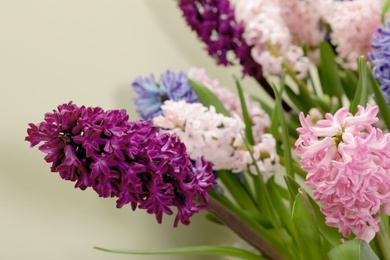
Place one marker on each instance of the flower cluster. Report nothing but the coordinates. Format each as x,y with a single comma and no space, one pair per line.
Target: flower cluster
380,57
216,137
348,164
260,119
131,161
195,126
151,95
353,23
268,33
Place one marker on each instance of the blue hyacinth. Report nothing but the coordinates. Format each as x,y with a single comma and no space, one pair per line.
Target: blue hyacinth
380,57
151,95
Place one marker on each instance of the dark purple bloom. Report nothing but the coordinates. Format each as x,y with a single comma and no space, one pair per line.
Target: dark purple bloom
380,57
215,24
131,161
151,95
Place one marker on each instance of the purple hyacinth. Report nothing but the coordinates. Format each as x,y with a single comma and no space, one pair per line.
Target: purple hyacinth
131,161
151,95
380,57
215,24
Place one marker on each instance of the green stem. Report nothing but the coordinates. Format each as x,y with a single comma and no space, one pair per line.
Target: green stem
242,229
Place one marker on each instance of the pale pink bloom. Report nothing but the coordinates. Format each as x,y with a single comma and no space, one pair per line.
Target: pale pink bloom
348,165
231,101
299,62
303,20
216,137
353,23
269,165
264,26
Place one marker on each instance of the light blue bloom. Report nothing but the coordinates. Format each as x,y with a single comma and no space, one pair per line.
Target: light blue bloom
151,95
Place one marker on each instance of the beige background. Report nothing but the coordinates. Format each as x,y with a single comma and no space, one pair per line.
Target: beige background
88,51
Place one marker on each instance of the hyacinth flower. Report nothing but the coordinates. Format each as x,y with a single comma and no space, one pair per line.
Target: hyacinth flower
348,165
380,57
151,95
259,118
270,37
131,161
217,138
215,24
353,23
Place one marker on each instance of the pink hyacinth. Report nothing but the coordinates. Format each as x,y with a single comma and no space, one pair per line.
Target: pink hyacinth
264,27
295,13
348,165
353,23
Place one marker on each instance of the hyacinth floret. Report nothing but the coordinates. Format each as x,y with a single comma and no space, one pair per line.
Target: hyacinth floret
130,161
348,165
380,57
151,95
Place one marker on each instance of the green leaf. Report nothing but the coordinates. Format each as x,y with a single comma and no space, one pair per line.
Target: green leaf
350,82
207,98
285,133
328,72
195,250
361,94
355,249
237,190
305,227
384,108
292,186
245,114
213,219
276,193
331,234
263,104
297,100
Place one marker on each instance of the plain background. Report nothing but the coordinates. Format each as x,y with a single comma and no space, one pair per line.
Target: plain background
87,51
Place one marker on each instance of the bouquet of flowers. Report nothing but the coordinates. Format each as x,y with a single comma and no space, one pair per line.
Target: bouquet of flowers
300,171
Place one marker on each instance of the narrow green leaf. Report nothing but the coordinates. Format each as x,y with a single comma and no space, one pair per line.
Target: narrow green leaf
280,207
331,234
305,227
292,186
361,94
263,104
213,219
245,114
285,133
274,129
297,100
384,108
350,82
240,195
195,250
328,72
207,98
354,249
